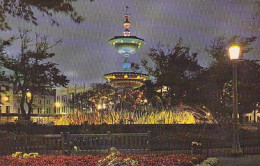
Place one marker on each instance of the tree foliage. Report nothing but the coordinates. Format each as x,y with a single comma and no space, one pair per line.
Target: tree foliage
175,68
28,10
32,69
218,76
90,99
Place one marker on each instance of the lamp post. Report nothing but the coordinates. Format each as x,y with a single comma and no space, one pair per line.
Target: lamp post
234,53
57,106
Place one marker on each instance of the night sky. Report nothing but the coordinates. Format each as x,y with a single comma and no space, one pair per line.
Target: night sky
84,56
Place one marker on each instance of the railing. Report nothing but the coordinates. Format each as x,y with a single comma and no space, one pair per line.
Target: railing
85,143
43,144
209,146
101,143
125,142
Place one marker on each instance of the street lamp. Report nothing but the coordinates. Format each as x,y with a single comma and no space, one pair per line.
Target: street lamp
57,106
5,98
99,106
28,94
234,53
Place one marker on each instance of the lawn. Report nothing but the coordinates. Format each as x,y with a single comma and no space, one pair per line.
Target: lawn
252,160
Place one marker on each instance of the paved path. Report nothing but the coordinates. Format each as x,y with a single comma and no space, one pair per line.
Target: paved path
252,160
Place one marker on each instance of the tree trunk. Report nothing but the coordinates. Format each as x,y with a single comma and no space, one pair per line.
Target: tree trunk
22,104
241,118
24,116
30,109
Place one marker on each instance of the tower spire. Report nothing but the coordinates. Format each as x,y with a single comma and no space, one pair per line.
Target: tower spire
126,23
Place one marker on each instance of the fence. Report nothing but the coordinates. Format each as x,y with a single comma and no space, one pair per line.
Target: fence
43,144
84,143
209,146
124,142
100,143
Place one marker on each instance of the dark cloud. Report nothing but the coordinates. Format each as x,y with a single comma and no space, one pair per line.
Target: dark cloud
85,55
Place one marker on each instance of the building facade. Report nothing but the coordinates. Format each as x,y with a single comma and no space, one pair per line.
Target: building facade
7,97
253,117
64,95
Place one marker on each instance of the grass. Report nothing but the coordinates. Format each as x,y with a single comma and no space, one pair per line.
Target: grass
250,160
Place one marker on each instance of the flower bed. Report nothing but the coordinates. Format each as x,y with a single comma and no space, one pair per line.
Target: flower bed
89,160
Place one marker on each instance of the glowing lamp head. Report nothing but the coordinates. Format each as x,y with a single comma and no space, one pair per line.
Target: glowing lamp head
5,98
99,106
28,94
126,76
234,52
57,104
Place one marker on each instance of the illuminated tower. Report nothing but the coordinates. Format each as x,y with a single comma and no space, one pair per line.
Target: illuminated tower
126,45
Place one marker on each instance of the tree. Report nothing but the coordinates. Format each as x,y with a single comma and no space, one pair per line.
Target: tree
33,72
90,99
25,9
257,9
135,67
3,45
219,74
177,69
150,93
248,86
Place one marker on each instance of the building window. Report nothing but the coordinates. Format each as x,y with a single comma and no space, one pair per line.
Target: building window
7,109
